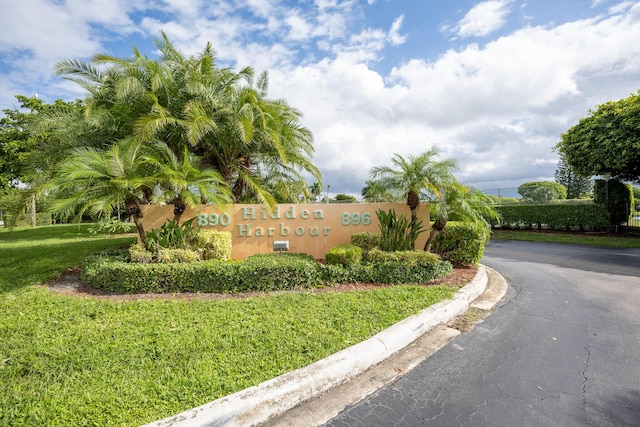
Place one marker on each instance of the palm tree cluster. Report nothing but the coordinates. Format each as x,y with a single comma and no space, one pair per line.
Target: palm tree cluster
179,130
428,177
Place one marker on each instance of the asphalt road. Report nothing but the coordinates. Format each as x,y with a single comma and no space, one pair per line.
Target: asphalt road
561,349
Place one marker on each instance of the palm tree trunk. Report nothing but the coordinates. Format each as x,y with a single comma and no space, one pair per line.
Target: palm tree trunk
140,229
435,230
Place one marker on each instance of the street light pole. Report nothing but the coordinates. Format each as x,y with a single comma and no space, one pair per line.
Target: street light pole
607,177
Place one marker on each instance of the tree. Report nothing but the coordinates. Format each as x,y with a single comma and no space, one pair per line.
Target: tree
542,191
98,181
183,182
374,192
606,141
577,186
315,190
415,175
463,202
344,198
225,118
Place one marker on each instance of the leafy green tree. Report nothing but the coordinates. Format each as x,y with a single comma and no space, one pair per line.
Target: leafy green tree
577,186
424,173
466,204
542,191
606,141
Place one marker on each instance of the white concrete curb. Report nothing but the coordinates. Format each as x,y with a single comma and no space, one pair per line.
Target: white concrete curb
258,404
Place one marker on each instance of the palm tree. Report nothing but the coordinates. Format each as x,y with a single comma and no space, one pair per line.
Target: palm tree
316,190
415,175
463,203
97,181
183,182
374,192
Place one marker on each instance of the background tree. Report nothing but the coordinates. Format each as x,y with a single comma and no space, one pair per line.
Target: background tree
542,191
344,198
316,190
374,192
607,140
577,186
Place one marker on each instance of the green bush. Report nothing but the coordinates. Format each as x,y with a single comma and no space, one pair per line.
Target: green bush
214,244
461,243
177,255
138,253
366,240
557,217
256,273
388,272
344,255
408,257
264,272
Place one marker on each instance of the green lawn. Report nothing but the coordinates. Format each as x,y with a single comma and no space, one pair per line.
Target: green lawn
85,361
592,239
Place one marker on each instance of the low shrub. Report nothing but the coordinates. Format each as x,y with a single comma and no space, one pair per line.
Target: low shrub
264,272
344,255
111,226
408,257
366,240
214,244
24,220
177,255
256,273
138,253
461,244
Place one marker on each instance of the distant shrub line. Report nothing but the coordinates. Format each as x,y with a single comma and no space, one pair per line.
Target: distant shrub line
557,217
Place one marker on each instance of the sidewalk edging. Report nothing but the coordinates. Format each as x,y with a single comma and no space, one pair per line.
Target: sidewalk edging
258,404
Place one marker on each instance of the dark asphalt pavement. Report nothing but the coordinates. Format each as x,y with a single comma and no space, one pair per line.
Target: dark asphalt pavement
561,349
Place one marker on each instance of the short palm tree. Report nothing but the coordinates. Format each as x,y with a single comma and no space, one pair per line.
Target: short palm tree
183,182
97,181
415,175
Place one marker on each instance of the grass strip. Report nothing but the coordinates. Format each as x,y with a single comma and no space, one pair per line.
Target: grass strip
595,239
83,361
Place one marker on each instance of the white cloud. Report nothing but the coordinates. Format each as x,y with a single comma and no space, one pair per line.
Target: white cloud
484,18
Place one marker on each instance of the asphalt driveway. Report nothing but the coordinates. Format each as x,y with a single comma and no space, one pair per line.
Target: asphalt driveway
561,349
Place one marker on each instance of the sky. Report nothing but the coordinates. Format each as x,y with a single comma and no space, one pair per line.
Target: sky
492,84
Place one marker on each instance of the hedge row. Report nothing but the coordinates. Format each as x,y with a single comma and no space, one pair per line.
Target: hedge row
557,217
265,272
24,220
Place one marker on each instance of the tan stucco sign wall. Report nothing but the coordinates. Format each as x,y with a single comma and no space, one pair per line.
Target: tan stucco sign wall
309,228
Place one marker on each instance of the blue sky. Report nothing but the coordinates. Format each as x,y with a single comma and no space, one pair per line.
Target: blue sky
490,83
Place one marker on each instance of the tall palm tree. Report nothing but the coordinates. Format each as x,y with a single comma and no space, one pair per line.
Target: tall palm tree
463,203
315,189
97,181
415,175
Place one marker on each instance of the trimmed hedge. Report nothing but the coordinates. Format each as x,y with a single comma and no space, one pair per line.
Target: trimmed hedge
264,272
344,255
24,220
557,217
461,244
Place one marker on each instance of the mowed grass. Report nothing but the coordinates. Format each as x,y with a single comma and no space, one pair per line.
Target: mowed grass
68,360
590,239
